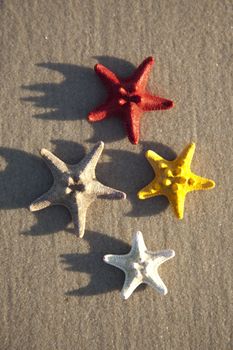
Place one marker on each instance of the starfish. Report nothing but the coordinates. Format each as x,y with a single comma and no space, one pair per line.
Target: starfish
140,266
174,179
128,98
75,186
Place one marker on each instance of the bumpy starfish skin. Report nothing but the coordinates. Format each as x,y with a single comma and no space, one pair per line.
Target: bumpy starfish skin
174,179
75,186
140,266
128,98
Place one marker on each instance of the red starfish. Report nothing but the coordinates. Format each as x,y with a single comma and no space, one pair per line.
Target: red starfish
128,97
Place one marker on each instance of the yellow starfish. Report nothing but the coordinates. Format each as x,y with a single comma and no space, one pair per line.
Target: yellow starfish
174,179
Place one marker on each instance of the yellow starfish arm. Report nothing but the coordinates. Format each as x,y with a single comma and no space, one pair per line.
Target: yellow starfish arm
177,202
153,158
151,155
200,183
186,155
151,190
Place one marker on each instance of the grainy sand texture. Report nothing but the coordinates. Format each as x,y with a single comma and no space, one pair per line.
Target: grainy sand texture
56,292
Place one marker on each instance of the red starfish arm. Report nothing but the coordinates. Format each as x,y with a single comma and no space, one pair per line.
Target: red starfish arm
109,79
141,74
150,103
103,111
132,122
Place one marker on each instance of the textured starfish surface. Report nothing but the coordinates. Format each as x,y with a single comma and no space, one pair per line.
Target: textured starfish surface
174,179
128,98
75,186
140,266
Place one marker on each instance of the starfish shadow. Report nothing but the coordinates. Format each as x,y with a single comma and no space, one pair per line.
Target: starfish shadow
76,95
69,99
24,178
130,172
103,277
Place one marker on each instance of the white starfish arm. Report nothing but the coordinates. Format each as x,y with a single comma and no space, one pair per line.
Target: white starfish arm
138,246
156,282
160,257
56,165
106,192
89,162
47,199
120,261
130,284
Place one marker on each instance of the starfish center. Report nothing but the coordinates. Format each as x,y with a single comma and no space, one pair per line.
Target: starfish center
141,267
174,178
128,97
76,185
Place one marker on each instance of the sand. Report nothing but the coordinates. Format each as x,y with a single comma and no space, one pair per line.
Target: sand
56,292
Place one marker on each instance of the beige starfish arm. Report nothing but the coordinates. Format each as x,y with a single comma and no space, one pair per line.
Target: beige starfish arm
105,192
186,155
88,163
56,165
46,200
151,190
130,284
78,211
201,183
156,282
160,257
177,202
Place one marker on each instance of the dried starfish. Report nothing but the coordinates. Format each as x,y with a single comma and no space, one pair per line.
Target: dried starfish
128,98
140,266
174,179
75,186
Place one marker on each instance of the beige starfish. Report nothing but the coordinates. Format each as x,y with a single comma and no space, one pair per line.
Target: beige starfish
75,186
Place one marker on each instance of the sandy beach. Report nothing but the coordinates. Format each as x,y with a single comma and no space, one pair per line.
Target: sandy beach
56,291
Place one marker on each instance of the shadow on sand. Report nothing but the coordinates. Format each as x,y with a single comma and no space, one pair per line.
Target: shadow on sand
103,277
77,94
26,177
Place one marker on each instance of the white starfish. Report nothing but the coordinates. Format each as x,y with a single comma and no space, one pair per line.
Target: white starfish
140,266
75,186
